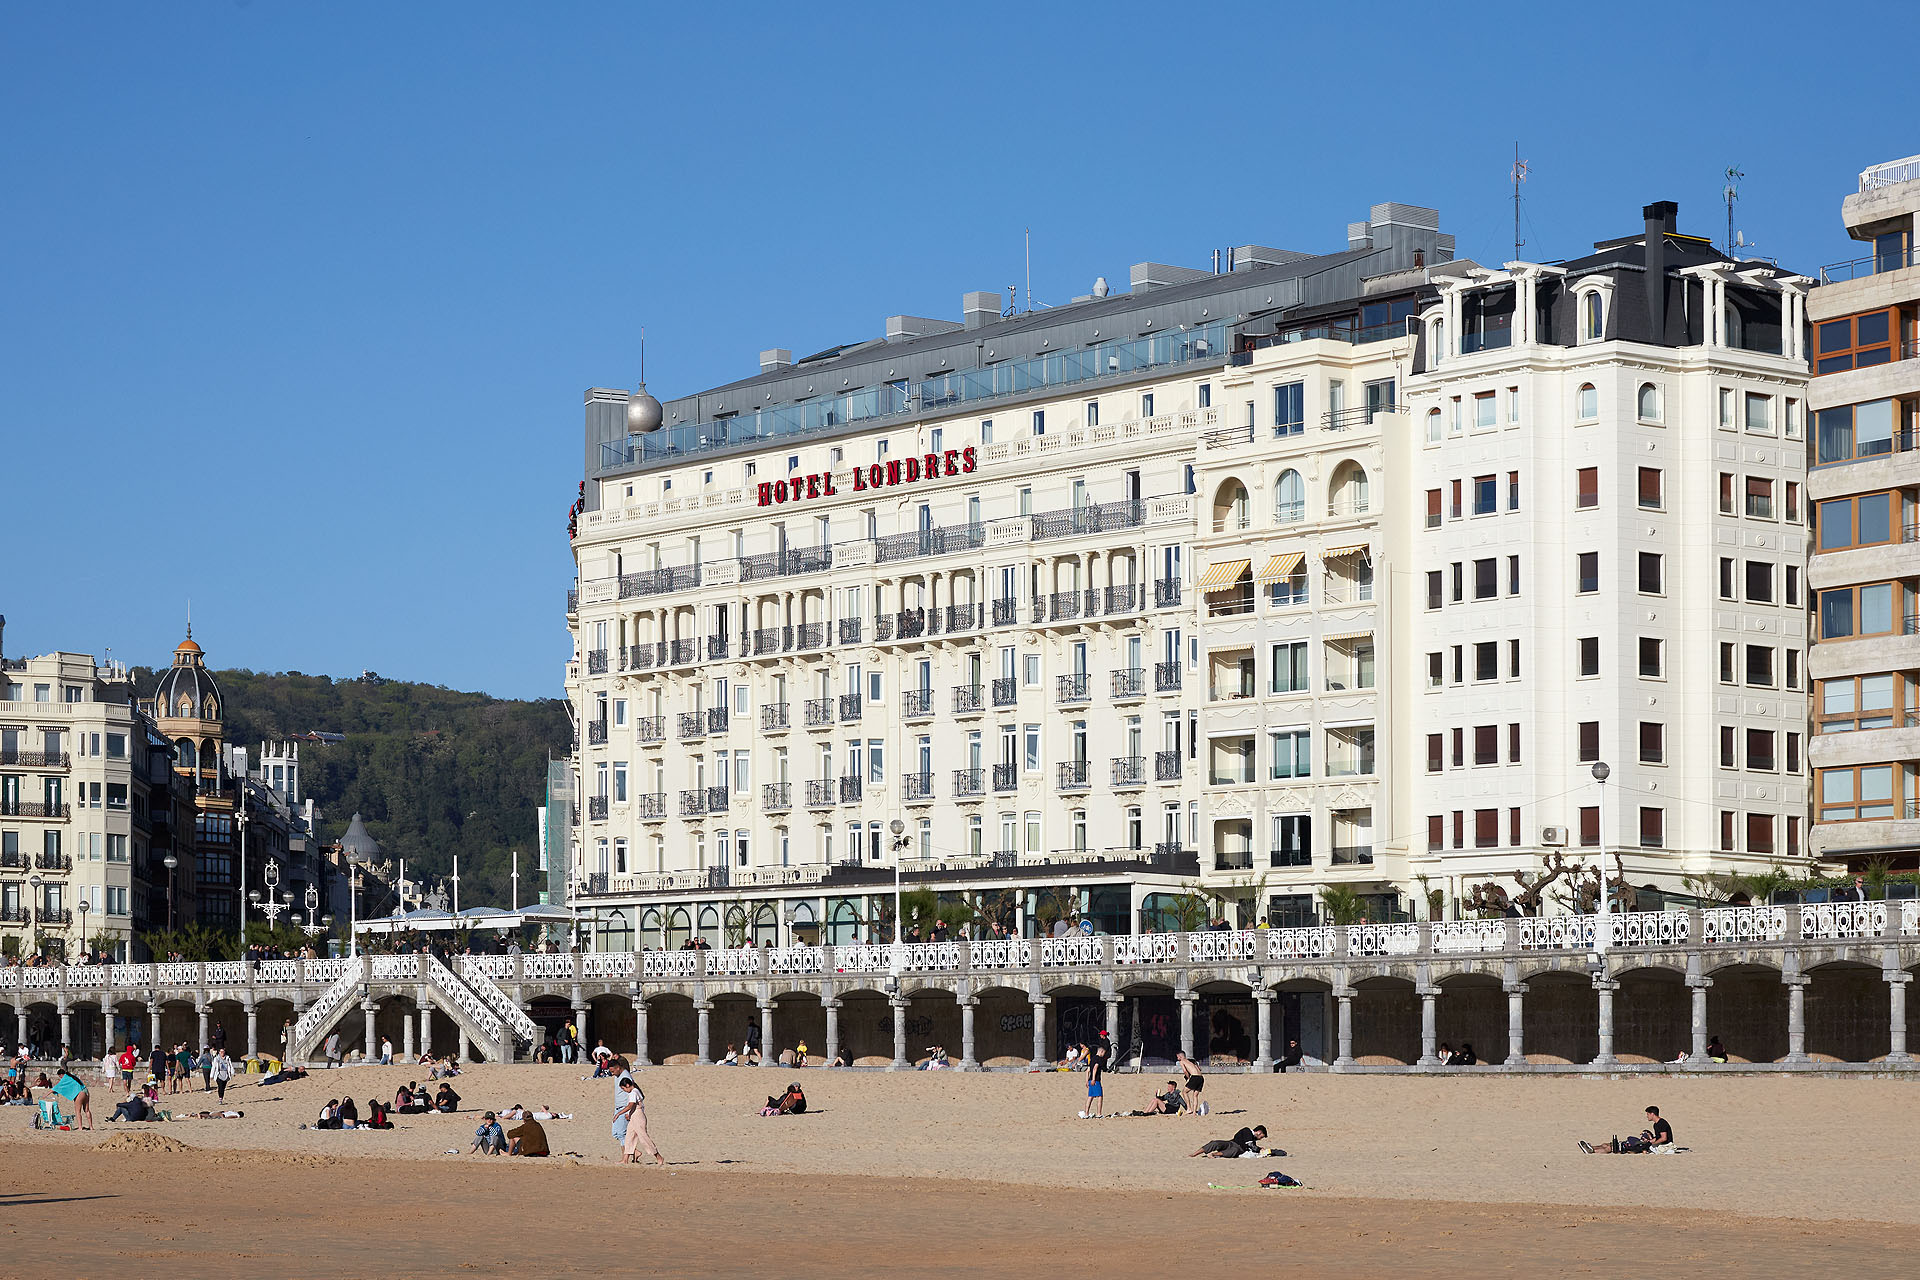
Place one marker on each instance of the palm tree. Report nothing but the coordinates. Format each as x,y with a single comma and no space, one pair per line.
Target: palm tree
1342,905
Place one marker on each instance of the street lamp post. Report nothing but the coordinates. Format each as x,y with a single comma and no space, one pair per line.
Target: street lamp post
1602,935
39,902
240,818
516,879
899,960
82,908
170,862
271,904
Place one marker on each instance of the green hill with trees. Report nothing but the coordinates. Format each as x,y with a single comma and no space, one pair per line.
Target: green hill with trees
431,771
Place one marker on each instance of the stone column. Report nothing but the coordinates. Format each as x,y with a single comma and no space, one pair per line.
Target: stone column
704,1057
1344,994
900,1061
1897,980
1429,997
1263,1053
201,1010
1516,1023
153,1025
367,1011
1604,987
1186,999
426,1029
1113,1030
253,1029
66,1025
640,1058
1796,984
768,1058
833,1030
466,1045
580,1021
406,1038
1040,1004
967,1007
20,1019
1698,986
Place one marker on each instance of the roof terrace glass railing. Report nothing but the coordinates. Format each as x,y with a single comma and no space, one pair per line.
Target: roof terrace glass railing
1012,377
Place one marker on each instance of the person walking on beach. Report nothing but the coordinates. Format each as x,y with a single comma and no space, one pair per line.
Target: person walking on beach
630,1123
332,1049
222,1072
206,1068
1096,1056
1195,1082
386,1051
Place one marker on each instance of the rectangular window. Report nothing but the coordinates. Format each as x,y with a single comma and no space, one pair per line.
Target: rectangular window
1793,752
1589,826
1727,570
1459,665
1292,756
1589,655
1436,752
1859,702
1436,589
1486,828
1486,660
1760,750
1292,840
1652,573
1860,793
1486,579
1436,669
1289,666
1031,736
1653,742
1726,493
1855,342
1759,582
1760,666
1759,413
1793,668
1485,413
1092,414
1513,490
1434,502
1859,611
1652,657
1436,832
1486,495
1727,654
1454,508
1459,581
1653,828
1652,489
1851,431
1459,748
1486,744
1729,831
1589,572
1589,741
1586,492
1872,519
1760,833
1039,422
1513,659
1513,575
1290,409
1729,747
1513,744
1760,497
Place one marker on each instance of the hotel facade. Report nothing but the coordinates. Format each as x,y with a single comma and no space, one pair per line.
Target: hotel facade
1312,572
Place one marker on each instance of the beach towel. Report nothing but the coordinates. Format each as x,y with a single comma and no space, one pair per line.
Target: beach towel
69,1088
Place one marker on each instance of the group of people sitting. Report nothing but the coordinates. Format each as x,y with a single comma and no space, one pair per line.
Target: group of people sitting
440,1068
341,1113
1716,1052
791,1103
410,1099
1464,1056
526,1138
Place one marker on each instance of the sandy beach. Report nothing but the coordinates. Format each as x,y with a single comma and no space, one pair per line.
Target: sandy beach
951,1173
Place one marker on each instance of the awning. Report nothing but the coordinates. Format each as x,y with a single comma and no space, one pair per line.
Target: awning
1335,553
1349,635
1224,574
1281,567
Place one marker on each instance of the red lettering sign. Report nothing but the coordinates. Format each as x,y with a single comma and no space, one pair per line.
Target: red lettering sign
915,467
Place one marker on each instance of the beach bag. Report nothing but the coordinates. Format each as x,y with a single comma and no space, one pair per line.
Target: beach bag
1278,1179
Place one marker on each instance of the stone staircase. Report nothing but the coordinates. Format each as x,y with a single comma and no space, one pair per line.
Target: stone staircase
524,1030
474,1013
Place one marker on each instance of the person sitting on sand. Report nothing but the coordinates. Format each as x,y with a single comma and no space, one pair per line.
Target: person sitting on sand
731,1058
1466,1057
1167,1103
329,1117
800,1054
488,1140
376,1116
791,1103
349,1114
527,1138
841,1059
1716,1052
134,1108
1657,1136
446,1100
1444,1053
1246,1141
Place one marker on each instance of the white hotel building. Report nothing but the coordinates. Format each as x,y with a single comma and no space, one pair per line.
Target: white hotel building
1107,601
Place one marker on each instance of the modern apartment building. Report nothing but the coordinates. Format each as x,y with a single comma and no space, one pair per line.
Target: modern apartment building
1865,489
1607,462
1318,570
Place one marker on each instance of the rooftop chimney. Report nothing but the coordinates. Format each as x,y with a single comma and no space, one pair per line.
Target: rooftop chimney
903,327
980,308
1661,218
778,358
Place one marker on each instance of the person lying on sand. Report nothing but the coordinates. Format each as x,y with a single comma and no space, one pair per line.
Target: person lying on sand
1657,1136
1243,1143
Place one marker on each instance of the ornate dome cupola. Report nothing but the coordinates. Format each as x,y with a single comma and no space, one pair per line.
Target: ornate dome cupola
189,707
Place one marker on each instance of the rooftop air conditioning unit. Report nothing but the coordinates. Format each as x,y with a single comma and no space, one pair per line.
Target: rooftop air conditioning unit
1553,837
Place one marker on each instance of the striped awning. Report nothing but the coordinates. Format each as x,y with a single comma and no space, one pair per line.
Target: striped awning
1224,574
1335,553
1348,635
1281,567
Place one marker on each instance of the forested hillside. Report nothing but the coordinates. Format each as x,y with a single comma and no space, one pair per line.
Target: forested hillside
432,771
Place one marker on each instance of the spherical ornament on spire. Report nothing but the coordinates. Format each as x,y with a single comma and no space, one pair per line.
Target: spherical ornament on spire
643,412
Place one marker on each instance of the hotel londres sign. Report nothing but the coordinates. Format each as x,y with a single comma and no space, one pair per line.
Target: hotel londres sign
881,475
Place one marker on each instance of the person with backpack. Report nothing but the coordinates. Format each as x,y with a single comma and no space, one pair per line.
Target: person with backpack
1656,1137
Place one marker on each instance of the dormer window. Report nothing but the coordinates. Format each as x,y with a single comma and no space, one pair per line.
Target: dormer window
1649,402
1593,316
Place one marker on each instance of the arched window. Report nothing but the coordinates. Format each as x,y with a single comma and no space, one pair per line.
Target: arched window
710,925
679,933
1349,494
1649,402
186,707
617,933
1436,342
843,924
1593,316
1586,403
189,754
1289,497
651,923
1230,507
1434,427
211,711
765,927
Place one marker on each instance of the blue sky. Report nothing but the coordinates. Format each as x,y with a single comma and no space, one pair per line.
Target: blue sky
299,301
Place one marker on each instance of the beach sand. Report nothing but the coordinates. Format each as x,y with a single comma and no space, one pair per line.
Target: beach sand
951,1173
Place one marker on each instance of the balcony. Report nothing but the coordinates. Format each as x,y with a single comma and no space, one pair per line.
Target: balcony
1350,753
650,808
819,713
52,861
1095,517
770,639
1353,855
1129,771
849,629
916,787
573,601
775,796
718,800
17,914
850,789
1061,606
1121,599
596,808
1166,593
693,802
42,759
33,809
659,581
1233,859
1073,775
962,617
1166,677
651,728
718,647
1170,850
819,793
849,706
54,915
1166,766
681,653
1005,612
1006,777
693,724
967,700
916,702
773,717
1006,691
1129,682
810,635
597,662
1071,688
968,782
716,719
596,732
1359,415
1234,602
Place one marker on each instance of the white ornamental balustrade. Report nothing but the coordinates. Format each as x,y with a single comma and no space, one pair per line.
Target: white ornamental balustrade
1223,946
733,962
178,973
495,967
933,957
1743,924
1556,933
516,1019
791,961
547,967
396,968
1003,953
130,975
42,977
461,994
227,973
1071,952
608,964
326,970
1300,944
863,958
1842,921
10,977
277,971
1910,917
669,964
87,976
1138,949
1383,939
1647,929
1469,937
321,1011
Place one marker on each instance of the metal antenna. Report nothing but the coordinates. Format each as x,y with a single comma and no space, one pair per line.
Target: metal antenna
643,355
1029,236
1519,176
1732,193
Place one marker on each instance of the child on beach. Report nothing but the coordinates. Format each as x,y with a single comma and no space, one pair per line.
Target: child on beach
630,1123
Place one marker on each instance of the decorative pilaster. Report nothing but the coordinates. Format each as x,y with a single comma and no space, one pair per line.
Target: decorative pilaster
1263,1051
